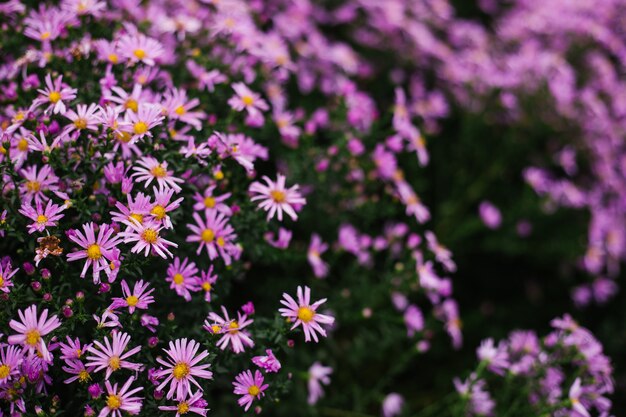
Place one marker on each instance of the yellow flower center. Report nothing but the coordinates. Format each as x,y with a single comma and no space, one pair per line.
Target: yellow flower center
124,137
114,402
140,128
181,370
114,363
22,145
305,314
1,281
93,252
208,235
132,300
54,96
132,104
150,236
183,408
209,202
45,35
33,186
221,242
83,376
180,110
136,216
158,212
5,370
158,171
215,329
178,279
233,327
41,219
80,123
139,53
278,196
113,58
206,286
218,175
19,116
32,337
247,100
253,390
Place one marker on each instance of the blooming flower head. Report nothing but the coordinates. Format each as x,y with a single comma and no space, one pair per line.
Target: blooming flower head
268,362
163,205
179,107
73,349
188,404
206,282
231,330
10,360
79,371
6,273
318,375
246,99
275,198
183,277
182,367
121,399
139,297
84,118
150,169
137,47
134,212
96,250
147,237
56,94
32,329
112,356
249,387
208,201
37,183
41,217
305,314
214,234
139,123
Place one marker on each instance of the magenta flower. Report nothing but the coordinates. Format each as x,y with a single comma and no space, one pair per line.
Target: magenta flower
318,375
207,201
249,387
134,212
182,367
78,370
490,215
246,99
10,360
392,405
39,182
146,237
268,362
304,313
150,169
214,234
32,329
6,273
55,95
42,217
231,330
163,205
206,282
192,404
85,117
138,298
136,47
73,350
112,356
179,107
239,147
139,123
316,249
97,251
118,400
275,198
183,277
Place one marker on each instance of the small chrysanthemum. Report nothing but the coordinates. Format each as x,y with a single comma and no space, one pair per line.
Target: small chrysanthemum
232,331
214,234
147,237
305,314
6,273
55,95
249,387
41,216
10,360
245,98
275,198
183,277
138,124
188,404
208,201
112,356
137,47
268,362
118,400
32,329
149,169
139,297
96,250
206,282
182,367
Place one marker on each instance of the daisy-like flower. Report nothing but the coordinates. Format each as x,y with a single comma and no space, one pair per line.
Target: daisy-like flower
118,400
55,95
183,277
6,273
304,313
32,329
207,201
139,297
206,79
73,350
249,387
38,182
42,217
206,282
275,198
138,124
146,237
150,169
137,47
85,117
268,362
112,356
194,404
134,212
245,98
232,330
96,250
163,205
179,107
10,360
41,144
127,101
318,375
239,147
182,367
78,369
215,234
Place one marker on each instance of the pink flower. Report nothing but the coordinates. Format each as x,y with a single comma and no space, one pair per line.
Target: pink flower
246,99
55,94
249,387
138,298
232,330
121,400
84,118
73,350
316,249
490,215
78,369
6,273
137,47
183,277
32,329
215,234
146,237
41,217
207,201
283,240
206,79
318,375
269,362
150,169
139,123
182,367
575,392
11,358
97,251
194,404
134,211
392,405
304,313
111,356
206,282
178,107
163,205
275,198
39,182
239,147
